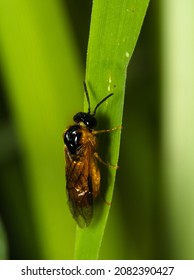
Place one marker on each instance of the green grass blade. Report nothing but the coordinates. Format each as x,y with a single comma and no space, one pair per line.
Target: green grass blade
41,66
3,243
115,27
177,120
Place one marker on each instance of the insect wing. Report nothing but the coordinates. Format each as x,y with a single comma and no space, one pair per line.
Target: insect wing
82,213
79,188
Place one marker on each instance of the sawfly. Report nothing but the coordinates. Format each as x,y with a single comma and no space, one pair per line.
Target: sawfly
82,172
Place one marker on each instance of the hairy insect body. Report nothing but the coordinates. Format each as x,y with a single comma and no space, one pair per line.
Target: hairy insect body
82,172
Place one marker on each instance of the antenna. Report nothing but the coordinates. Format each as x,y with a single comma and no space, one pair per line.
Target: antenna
88,99
87,96
104,99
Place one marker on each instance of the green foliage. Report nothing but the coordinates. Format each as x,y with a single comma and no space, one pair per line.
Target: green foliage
41,65
151,216
114,31
42,75
3,243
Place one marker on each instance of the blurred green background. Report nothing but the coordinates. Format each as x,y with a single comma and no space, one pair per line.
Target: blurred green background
43,48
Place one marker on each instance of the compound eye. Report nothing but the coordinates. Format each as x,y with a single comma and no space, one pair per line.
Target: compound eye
72,138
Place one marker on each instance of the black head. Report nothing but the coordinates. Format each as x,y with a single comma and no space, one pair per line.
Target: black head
72,138
87,118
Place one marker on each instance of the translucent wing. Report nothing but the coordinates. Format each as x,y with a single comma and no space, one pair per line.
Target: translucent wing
79,187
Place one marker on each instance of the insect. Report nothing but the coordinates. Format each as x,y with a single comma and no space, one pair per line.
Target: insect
82,172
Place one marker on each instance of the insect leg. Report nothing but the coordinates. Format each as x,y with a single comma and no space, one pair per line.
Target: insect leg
105,163
107,130
104,201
